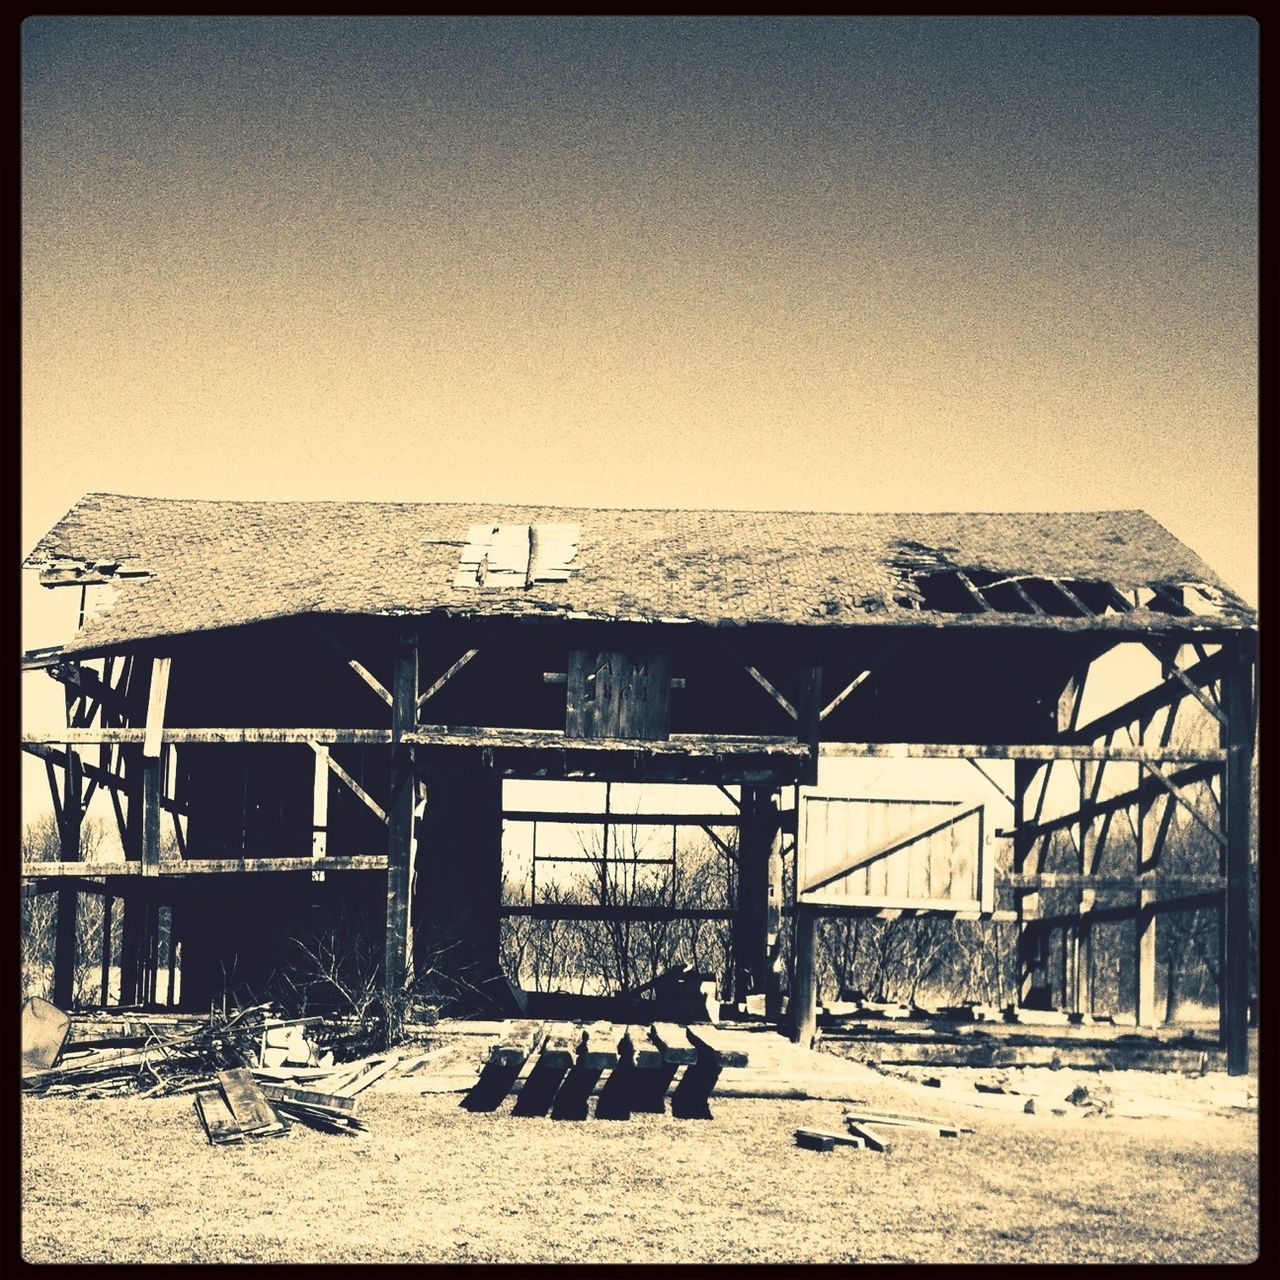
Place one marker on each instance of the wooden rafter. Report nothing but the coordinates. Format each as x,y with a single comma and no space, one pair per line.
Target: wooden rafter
1175,672
773,692
984,605
724,847
448,675
1071,597
1025,597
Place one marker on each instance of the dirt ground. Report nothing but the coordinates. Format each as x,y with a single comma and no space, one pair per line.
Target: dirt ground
127,1179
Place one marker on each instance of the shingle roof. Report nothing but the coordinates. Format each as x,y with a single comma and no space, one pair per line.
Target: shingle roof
218,564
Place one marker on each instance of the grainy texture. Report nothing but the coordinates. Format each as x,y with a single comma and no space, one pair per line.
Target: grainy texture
220,564
128,1180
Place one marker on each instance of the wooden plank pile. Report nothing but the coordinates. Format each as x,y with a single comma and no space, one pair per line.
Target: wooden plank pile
556,1069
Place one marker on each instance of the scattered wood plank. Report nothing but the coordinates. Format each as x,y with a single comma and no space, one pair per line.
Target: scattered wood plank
521,1039
290,1093
709,1038
599,1047
248,1105
673,1041
816,1140
363,1081
869,1136
219,1124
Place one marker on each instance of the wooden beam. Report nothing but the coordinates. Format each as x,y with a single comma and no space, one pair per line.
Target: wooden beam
1175,672
362,671
1145,704
772,692
398,955
64,955
1065,880
320,802
81,737
625,819
156,698
1016,751
201,866
1237,737
589,911
809,722
991,780
843,694
803,1009
984,605
339,772
448,675
1180,800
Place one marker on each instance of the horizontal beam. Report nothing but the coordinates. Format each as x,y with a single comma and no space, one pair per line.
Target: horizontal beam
1062,880
943,906
680,744
1126,911
38,659
1046,751
1112,804
177,737
587,911
1154,699
627,819
203,866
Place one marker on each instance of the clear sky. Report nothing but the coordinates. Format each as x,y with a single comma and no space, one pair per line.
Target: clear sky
844,263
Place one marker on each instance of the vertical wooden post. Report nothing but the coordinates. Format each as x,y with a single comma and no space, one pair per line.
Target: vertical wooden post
1237,738
1144,920
804,985
773,916
320,806
1068,717
398,957
107,903
750,940
1030,932
809,710
64,949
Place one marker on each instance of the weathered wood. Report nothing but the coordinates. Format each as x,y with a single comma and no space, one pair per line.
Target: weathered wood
448,675
156,698
804,985
202,866
343,776
291,1093
65,936
680,744
644,1053
398,952
772,691
520,1041
1151,881
580,818
873,1140
219,1124
616,695
1237,736
115,734
251,1110
709,1039
814,1141
673,1042
1017,751
599,1046
835,702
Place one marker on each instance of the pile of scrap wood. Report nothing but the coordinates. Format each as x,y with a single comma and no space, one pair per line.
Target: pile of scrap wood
238,1107
150,1054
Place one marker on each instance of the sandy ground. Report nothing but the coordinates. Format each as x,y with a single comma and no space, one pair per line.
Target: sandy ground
134,1180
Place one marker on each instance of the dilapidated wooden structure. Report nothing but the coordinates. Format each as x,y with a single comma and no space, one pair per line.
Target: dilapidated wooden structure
327,697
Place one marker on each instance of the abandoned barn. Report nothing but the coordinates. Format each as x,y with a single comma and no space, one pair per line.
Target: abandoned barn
325,698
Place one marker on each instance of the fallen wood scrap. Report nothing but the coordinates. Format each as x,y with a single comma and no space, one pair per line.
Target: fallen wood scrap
251,1110
942,1128
289,1093
219,1124
873,1140
816,1140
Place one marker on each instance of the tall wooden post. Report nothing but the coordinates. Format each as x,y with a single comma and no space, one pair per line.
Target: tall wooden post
64,949
803,1009
398,957
132,906
1150,832
809,722
756,833
1237,738
1031,939
773,917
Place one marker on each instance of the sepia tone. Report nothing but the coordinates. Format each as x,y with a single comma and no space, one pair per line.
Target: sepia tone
524,748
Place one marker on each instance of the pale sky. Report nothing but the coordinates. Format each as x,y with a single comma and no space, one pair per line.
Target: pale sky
842,264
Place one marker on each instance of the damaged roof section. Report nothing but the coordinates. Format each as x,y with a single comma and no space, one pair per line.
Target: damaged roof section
517,555
179,566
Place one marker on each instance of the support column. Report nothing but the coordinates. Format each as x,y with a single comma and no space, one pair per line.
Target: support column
773,919
64,948
131,900
803,1009
757,834
1237,737
1151,831
398,955
1032,949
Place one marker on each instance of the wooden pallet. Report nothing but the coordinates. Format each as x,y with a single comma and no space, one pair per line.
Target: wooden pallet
554,1069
